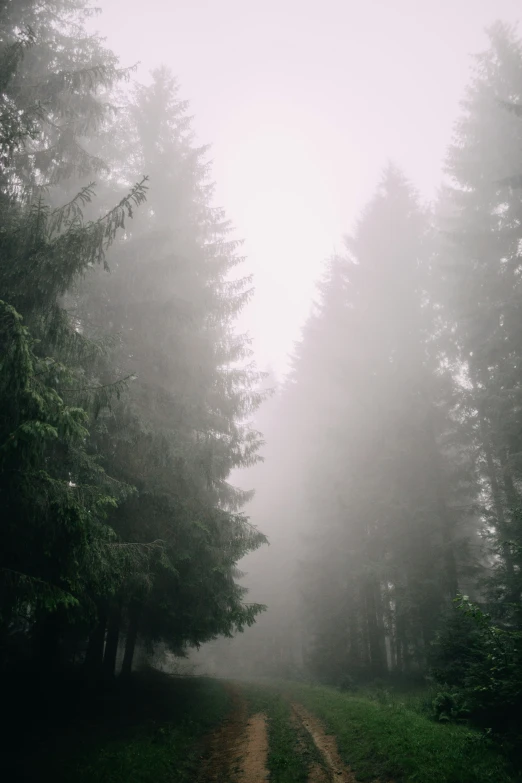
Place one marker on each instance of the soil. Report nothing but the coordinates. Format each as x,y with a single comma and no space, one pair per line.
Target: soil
254,751
237,751
325,743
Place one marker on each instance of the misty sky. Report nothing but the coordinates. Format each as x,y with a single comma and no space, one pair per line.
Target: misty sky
304,101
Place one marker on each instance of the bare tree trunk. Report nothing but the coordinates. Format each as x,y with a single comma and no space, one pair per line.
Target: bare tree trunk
375,632
443,512
390,635
365,642
497,497
354,650
48,642
132,635
401,641
512,495
94,654
513,500
113,635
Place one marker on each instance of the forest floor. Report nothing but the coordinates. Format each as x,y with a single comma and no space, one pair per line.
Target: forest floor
161,729
294,733
266,737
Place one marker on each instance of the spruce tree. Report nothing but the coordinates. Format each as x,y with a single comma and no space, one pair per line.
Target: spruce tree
384,557
56,545
169,305
480,212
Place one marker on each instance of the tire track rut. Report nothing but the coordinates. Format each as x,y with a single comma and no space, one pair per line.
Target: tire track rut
334,768
237,751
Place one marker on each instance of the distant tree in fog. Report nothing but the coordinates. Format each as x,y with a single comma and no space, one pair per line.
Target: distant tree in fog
481,263
383,545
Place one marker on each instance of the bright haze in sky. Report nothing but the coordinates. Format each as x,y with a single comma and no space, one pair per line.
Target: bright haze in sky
304,102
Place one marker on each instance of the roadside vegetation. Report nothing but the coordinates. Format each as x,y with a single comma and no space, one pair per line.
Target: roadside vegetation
392,736
156,727
151,728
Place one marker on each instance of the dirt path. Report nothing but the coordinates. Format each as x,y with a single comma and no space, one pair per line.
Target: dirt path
254,751
334,769
238,749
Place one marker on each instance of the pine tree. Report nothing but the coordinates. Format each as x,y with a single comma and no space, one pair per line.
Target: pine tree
56,87
480,214
385,558
56,544
176,436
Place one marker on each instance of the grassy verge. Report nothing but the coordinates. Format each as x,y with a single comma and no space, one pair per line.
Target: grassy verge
395,741
150,729
291,750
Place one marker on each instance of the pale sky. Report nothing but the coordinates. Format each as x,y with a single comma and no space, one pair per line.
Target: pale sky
304,102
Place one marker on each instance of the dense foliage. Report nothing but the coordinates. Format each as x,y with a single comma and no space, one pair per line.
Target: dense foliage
478,666
124,390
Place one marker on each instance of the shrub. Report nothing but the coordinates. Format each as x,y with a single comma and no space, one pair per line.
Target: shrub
449,705
479,665
347,683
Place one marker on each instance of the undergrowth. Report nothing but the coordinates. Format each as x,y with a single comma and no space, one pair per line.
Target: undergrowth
391,737
148,729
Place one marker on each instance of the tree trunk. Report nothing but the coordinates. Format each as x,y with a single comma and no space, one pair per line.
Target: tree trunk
394,651
497,498
390,636
513,500
48,642
94,654
496,493
354,650
113,635
512,495
375,632
403,653
132,635
445,518
381,630
365,657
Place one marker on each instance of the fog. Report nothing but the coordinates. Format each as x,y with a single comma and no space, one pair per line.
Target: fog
305,105
260,297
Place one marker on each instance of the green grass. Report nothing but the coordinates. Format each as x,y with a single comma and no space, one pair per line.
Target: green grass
150,729
159,750
392,739
291,749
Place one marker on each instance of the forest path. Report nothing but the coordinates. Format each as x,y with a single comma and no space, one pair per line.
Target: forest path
333,768
238,750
